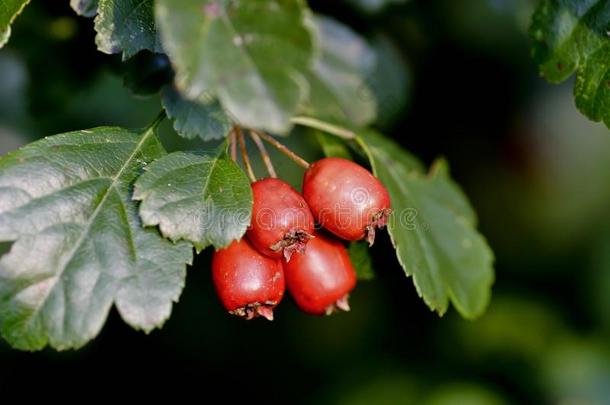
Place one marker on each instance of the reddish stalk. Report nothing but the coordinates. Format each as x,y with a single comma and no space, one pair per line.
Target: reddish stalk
282,148
244,154
233,145
264,155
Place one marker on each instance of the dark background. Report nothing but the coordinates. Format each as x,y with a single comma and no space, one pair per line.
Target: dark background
537,172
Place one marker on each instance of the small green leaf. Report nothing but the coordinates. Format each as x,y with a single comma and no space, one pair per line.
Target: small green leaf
126,26
433,229
332,146
204,198
79,244
85,8
9,10
250,54
204,118
572,36
338,89
361,260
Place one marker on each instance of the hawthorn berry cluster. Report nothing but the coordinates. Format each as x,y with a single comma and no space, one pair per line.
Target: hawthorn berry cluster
283,248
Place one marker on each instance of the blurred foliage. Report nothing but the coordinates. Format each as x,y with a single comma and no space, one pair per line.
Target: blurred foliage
536,171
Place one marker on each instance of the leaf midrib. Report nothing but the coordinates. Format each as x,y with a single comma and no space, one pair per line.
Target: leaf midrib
115,180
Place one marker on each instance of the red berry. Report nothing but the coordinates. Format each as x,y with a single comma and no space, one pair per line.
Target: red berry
346,199
281,220
248,283
321,278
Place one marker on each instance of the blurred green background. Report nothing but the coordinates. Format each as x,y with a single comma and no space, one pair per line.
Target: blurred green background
537,172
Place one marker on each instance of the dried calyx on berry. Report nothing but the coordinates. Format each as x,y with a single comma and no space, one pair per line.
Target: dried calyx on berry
346,199
321,278
248,283
281,220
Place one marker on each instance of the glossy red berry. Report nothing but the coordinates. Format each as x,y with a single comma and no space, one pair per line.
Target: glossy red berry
346,199
321,278
248,283
281,220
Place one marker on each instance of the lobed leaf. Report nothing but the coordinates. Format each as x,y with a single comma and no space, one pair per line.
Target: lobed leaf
79,245
203,118
571,36
204,198
126,26
433,229
251,55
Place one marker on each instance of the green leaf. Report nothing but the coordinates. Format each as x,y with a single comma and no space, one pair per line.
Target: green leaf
79,244
338,88
126,26
332,146
9,10
572,36
203,118
433,229
390,82
203,198
249,54
85,8
361,260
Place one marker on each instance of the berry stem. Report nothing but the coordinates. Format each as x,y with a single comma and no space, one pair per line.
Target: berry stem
233,145
282,148
264,155
244,154
324,126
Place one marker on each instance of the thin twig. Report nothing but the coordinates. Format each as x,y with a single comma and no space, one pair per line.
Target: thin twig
324,126
244,154
296,158
264,155
233,145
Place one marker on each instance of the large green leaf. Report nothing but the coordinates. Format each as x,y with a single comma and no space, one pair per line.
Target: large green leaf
203,118
433,229
126,26
204,198
390,82
338,88
250,54
79,243
85,8
572,36
9,10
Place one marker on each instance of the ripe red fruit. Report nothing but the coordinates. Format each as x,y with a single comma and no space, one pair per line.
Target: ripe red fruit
281,220
346,199
248,283
321,278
